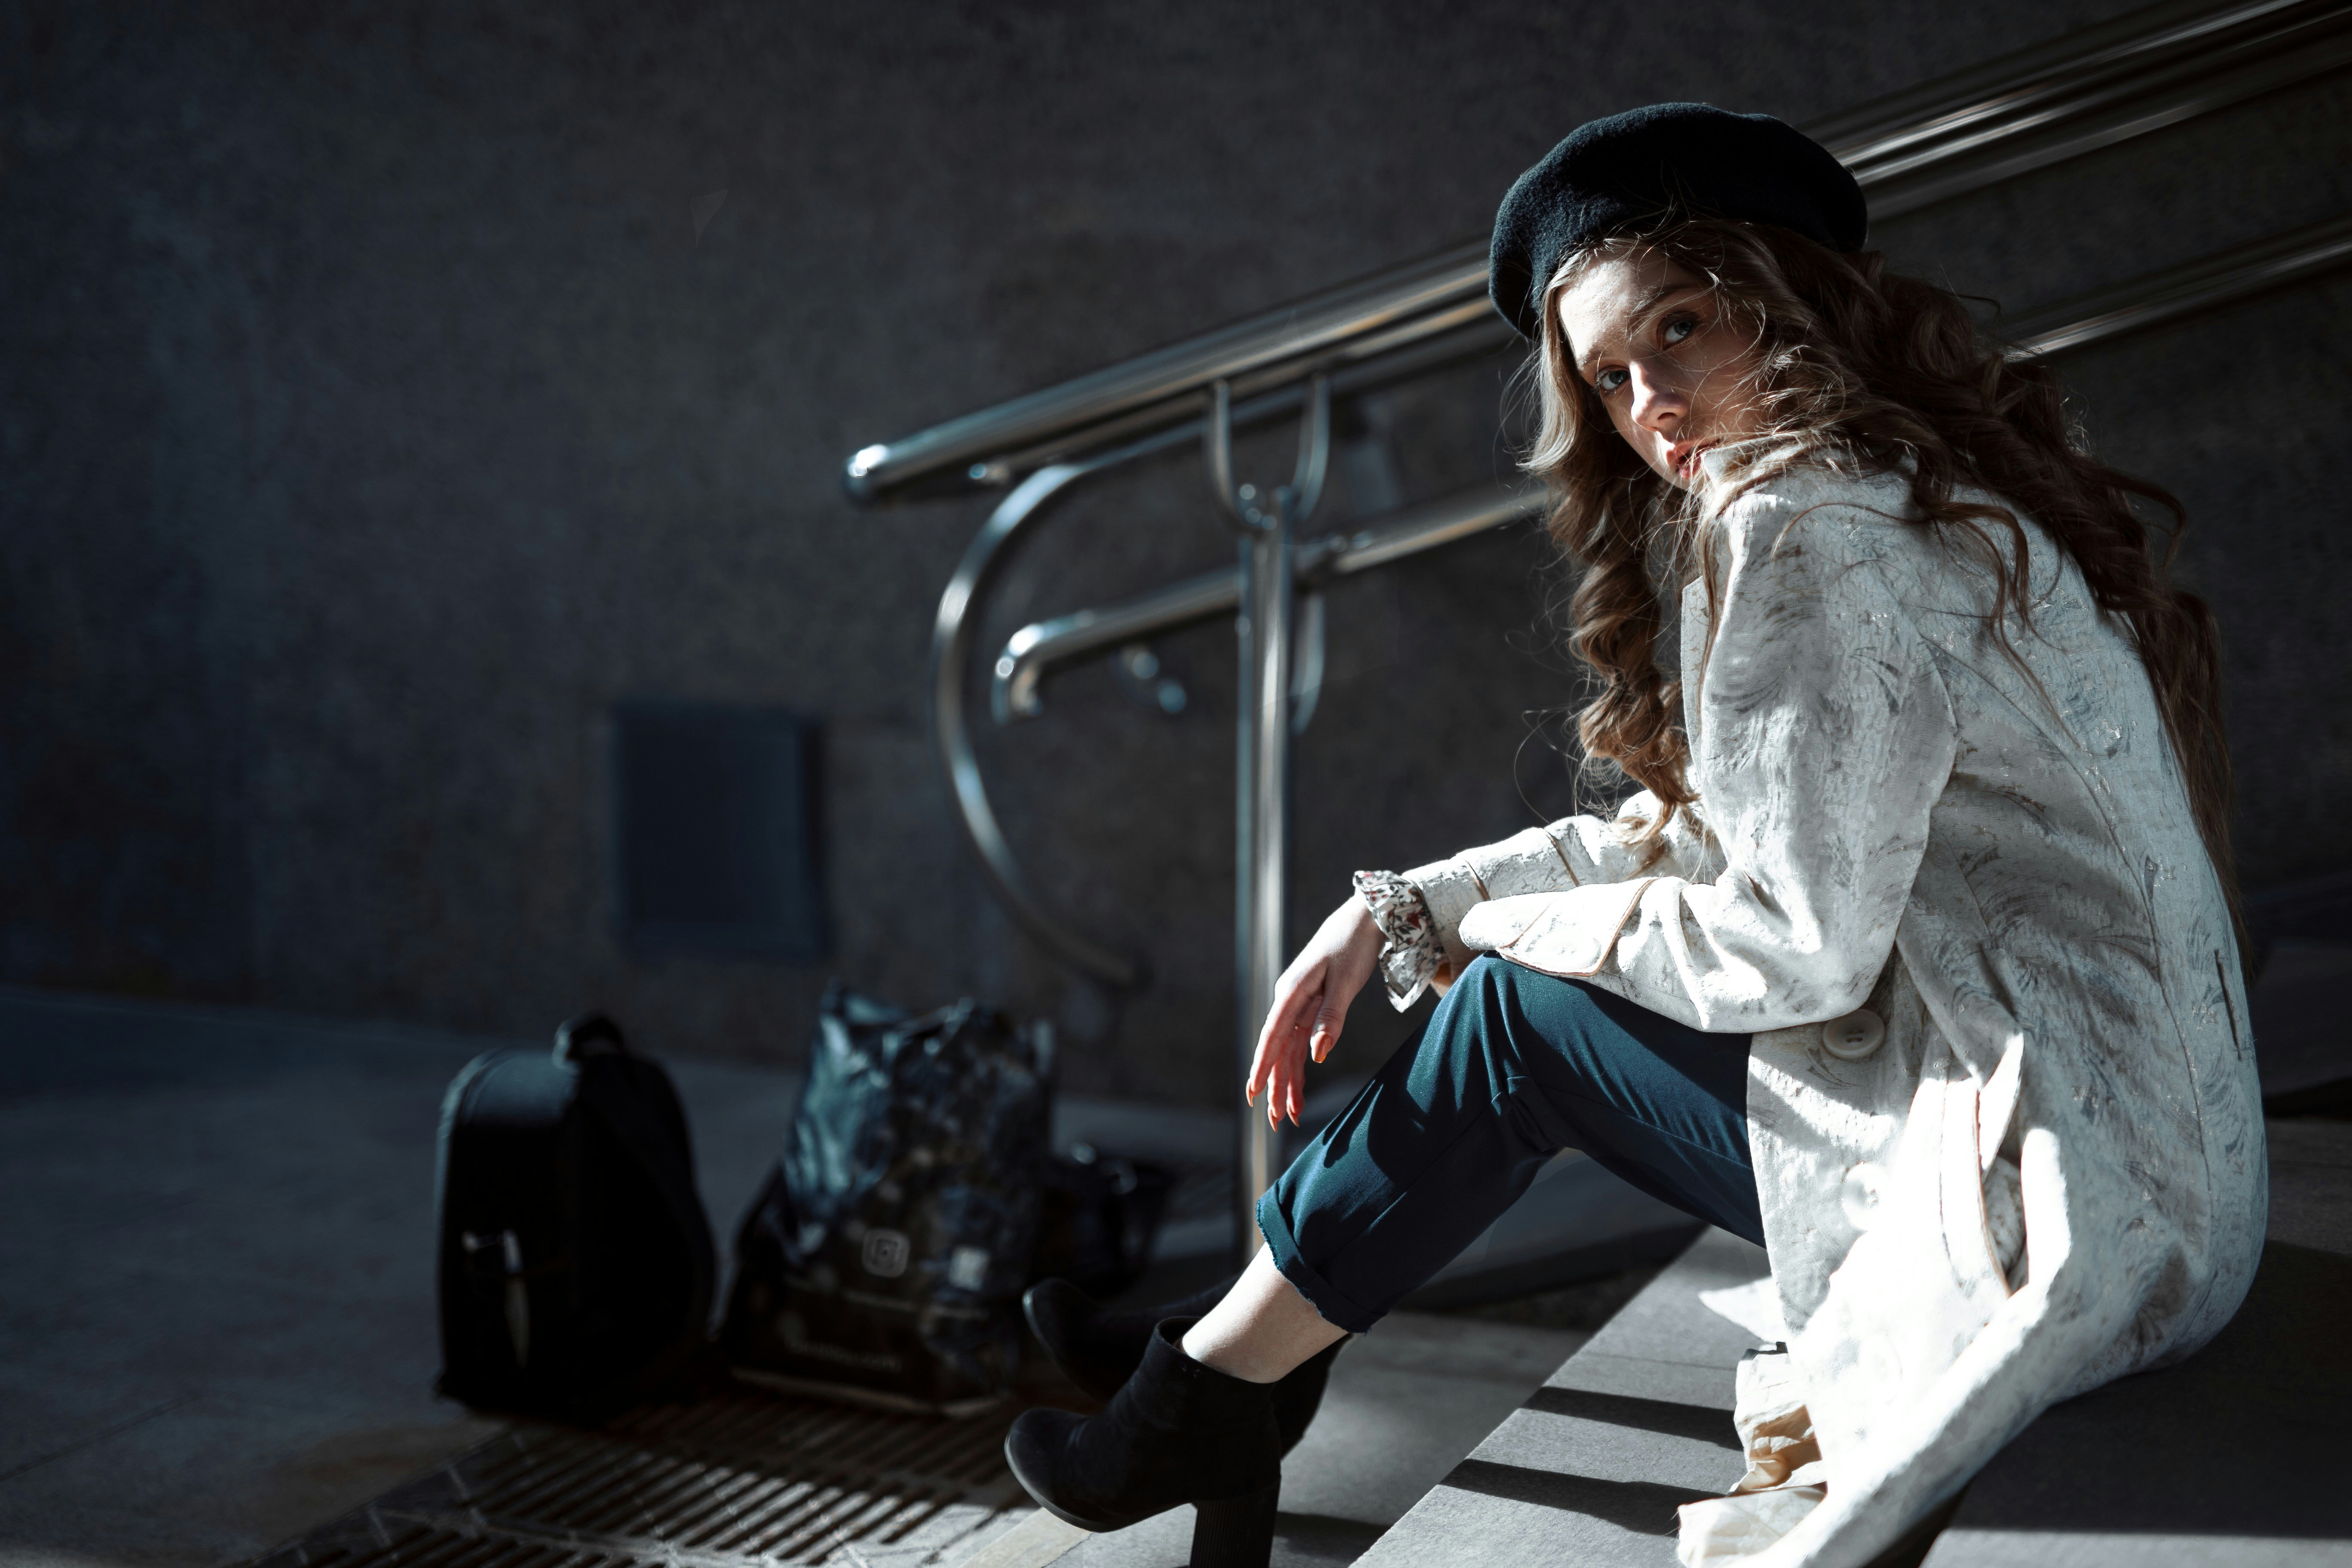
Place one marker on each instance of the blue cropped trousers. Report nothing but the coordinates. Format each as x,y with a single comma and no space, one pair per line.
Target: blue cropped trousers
1513,1067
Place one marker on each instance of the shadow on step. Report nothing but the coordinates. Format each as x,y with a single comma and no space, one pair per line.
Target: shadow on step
1320,1538
1700,1422
1646,1507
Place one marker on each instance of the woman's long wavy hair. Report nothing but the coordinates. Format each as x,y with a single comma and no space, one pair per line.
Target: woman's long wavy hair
1864,369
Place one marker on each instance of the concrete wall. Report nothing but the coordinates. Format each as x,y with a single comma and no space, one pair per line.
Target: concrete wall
373,416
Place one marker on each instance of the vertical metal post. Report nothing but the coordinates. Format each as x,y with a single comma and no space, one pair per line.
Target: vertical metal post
1262,771
1263,840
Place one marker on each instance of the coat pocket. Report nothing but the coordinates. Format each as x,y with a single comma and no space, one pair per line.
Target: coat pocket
1569,935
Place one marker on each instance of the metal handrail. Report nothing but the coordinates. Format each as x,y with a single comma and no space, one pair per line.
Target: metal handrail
950,662
2200,70
1043,646
2026,110
2204,284
1437,293
2017,94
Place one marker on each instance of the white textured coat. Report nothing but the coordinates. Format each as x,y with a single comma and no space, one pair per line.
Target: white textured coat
2048,1171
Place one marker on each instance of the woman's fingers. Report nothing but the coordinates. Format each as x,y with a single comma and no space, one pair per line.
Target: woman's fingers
1269,1035
1286,1064
1279,1069
1283,1090
1274,1040
1310,1006
1296,996
1287,1092
1330,1014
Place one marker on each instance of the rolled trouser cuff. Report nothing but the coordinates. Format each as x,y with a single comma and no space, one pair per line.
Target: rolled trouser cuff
1328,1302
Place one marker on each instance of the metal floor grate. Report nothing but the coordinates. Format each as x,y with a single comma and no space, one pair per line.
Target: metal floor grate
736,1479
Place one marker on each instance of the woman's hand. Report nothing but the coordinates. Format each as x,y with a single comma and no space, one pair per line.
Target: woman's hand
1311,1003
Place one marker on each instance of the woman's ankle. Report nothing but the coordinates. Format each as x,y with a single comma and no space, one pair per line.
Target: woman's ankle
1231,1357
1261,1331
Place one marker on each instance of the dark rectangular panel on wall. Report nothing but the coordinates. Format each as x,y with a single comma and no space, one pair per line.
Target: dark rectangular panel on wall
717,835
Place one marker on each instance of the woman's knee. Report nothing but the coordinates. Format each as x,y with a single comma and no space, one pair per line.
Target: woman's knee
1501,981
1522,1021
1486,1012
1472,1004
1483,1048
1528,996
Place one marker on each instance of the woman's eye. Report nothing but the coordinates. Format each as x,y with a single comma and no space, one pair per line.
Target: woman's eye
1608,381
1678,328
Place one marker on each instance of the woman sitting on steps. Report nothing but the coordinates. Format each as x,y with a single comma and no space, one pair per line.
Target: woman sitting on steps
1913,958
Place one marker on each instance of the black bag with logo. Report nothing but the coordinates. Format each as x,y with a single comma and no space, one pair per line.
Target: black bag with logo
888,1251
576,1269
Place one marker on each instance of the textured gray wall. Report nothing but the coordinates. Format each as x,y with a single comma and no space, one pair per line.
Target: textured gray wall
373,418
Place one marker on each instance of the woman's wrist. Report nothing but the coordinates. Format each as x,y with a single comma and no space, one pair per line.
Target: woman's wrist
1410,952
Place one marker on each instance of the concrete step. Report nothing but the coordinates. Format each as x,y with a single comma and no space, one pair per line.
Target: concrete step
1590,1469
2226,1458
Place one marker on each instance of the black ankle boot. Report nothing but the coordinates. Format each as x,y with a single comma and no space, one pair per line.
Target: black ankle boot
1176,1432
1099,1350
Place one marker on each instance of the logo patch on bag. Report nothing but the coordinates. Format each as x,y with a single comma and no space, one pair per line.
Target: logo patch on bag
886,1253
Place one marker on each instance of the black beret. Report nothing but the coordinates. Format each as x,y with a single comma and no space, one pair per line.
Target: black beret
1610,174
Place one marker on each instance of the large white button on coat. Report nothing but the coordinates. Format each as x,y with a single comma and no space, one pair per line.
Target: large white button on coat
1854,1036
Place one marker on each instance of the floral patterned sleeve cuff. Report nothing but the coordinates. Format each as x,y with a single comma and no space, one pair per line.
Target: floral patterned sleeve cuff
1412,957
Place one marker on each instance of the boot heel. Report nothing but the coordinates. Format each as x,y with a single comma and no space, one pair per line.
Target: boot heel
1236,1533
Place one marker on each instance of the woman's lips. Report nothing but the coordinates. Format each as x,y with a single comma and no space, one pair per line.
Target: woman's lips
1687,464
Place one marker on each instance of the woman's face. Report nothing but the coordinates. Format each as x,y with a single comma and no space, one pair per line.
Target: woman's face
1644,334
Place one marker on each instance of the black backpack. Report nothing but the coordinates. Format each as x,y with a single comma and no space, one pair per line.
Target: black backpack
888,1250
576,1264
